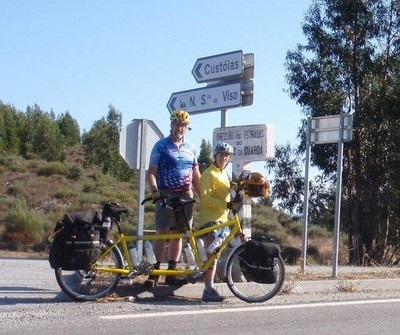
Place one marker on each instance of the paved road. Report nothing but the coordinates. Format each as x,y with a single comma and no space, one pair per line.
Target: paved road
27,281
31,301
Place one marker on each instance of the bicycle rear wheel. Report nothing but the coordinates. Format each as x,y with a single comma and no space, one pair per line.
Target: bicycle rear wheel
244,287
85,285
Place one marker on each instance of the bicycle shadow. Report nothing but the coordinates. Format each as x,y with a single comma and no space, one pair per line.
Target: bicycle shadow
169,300
162,294
13,295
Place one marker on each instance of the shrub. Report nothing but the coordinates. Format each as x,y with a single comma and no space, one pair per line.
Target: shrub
15,189
52,168
318,232
296,228
89,188
74,172
23,226
64,194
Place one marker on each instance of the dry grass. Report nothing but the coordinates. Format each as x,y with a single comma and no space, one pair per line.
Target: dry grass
345,275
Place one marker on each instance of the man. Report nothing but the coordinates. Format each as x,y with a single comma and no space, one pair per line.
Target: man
174,172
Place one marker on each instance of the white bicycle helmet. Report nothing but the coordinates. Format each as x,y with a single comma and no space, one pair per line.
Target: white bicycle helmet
223,147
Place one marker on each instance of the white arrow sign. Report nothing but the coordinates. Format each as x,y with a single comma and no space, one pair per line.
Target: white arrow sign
225,66
207,99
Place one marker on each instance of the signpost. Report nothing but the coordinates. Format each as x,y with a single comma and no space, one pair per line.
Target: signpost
225,66
250,143
211,98
229,77
325,129
135,143
322,130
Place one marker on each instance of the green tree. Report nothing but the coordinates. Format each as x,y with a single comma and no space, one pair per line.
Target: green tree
48,140
205,155
69,128
40,135
9,141
288,188
102,146
288,183
351,64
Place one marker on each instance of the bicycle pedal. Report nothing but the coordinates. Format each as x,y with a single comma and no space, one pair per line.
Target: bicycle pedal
172,281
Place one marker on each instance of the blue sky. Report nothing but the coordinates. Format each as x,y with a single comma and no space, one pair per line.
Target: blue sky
82,55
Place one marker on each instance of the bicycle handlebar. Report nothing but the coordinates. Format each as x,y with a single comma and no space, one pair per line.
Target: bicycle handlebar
241,185
145,200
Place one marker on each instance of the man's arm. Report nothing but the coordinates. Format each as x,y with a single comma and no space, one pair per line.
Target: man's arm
196,181
152,177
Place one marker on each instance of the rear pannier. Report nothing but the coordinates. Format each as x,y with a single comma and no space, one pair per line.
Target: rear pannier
75,243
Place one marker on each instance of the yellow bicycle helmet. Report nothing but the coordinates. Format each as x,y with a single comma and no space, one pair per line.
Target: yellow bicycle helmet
180,116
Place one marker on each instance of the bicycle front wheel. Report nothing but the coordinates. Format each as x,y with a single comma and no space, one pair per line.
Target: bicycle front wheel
243,286
85,285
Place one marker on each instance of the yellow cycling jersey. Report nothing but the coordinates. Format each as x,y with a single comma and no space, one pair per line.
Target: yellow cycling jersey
215,193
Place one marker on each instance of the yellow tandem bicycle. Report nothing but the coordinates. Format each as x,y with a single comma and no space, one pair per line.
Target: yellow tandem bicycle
246,281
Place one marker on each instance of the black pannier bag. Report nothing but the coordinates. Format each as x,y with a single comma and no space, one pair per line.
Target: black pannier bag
75,243
259,261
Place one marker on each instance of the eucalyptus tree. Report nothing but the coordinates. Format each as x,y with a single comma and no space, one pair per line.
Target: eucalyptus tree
9,140
39,135
101,144
350,64
69,128
288,183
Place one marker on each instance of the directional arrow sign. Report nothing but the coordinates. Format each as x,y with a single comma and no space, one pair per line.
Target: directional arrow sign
225,66
207,99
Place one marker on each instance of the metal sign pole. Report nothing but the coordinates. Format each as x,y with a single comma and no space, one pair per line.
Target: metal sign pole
306,191
338,197
142,184
224,118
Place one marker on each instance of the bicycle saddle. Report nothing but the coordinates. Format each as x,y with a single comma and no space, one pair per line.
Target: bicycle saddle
112,208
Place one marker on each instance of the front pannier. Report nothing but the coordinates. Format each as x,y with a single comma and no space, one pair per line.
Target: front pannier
75,243
259,261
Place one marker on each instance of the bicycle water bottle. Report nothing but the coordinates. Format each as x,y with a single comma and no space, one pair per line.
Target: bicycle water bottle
202,250
148,250
214,245
134,254
187,249
236,241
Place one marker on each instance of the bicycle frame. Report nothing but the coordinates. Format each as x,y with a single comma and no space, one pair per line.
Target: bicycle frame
199,267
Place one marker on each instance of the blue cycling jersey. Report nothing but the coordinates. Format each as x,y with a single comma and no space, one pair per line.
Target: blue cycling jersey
175,165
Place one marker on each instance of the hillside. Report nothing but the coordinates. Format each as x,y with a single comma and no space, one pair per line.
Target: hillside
35,194
41,192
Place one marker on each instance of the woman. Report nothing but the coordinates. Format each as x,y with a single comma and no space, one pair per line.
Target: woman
215,194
